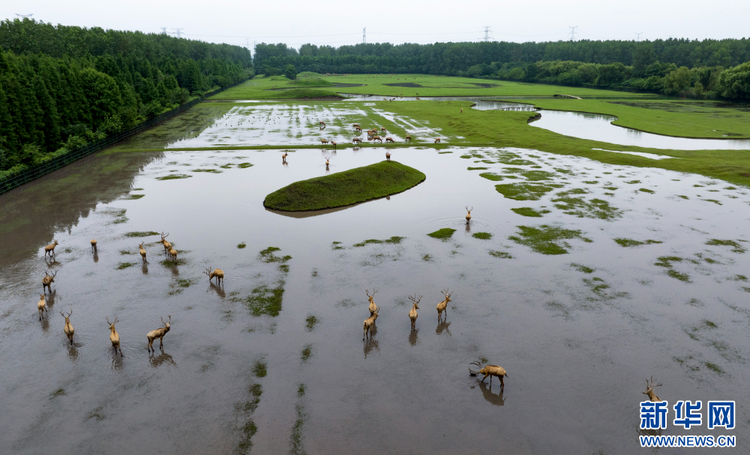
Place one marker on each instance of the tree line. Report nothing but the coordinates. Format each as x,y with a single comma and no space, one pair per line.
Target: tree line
62,87
703,69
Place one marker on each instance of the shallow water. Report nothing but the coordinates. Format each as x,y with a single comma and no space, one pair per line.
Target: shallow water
577,346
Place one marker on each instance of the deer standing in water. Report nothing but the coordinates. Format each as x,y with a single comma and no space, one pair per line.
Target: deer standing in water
47,281
369,322
167,245
443,306
50,249
173,255
388,156
650,390
413,313
328,161
41,306
158,333
490,370
283,157
68,326
468,215
143,252
218,273
373,308
93,244
114,337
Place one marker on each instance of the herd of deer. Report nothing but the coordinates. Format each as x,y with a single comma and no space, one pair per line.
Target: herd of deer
114,337
441,307
372,135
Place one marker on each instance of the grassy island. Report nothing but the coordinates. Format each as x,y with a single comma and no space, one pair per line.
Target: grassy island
345,188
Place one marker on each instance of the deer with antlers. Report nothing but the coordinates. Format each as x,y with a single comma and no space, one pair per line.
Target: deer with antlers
143,252
369,322
443,306
328,161
324,141
50,249
167,245
490,370
114,337
158,333
650,390
217,273
47,281
468,215
41,306
413,313
68,326
373,308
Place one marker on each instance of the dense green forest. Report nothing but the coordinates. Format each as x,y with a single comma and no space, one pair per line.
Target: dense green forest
701,69
62,87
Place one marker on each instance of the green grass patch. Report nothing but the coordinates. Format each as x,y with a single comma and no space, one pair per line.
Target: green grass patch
58,393
442,234
125,252
582,268
211,171
345,188
310,322
170,263
241,245
528,211
336,246
260,369
125,265
395,240
476,168
141,234
525,191
264,300
536,176
306,353
500,254
244,165
736,247
625,242
301,390
679,275
713,367
490,176
174,177
482,235
133,197
646,190
268,255
666,261
547,239
580,207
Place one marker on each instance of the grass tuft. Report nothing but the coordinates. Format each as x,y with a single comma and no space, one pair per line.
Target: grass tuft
547,239
141,234
482,235
442,234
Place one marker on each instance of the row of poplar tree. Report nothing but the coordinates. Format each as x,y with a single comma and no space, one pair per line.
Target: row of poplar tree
62,87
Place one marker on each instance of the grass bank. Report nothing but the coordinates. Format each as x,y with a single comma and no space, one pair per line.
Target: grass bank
345,188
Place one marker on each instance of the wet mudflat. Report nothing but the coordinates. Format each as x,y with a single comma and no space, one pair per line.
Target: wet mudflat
580,279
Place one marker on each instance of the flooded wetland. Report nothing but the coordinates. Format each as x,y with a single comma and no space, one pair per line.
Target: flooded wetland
580,278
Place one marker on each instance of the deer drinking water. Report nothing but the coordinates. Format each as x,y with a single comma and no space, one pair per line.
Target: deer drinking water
47,281
490,370
413,313
218,273
69,330
114,337
158,333
650,390
443,306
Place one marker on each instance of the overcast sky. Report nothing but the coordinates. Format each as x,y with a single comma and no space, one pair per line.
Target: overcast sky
341,22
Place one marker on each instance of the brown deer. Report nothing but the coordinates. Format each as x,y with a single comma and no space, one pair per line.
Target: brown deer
468,215
356,140
388,156
377,138
47,281
443,306
358,129
69,330
218,273
334,145
462,110
143,252
407,138
114,337
327,162
41,306
323,141
159,333
167,245
490,370
283,157
50,249
369,322
413,313
650,390
173,255
93,244
356,126
437,141
389,139
322,124
373,308
382,129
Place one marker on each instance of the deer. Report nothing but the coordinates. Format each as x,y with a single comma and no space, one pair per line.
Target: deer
47,281
41,306
143,253
218,273
490,370
377,138
173,254
443,306
369,322
468,215
322,124
462,110
356,140
159,333
356,126
382,129
388,156
69,330
167,245
283,157
50,249
357,129
389,139
407,138
373,308
334,144
93,244
650,390
327,162
323,141
413,313
437,140
114,337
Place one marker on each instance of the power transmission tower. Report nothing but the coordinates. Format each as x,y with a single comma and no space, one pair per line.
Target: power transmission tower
573,32
177,32
364,35
487,32
638,36
163,30
24,16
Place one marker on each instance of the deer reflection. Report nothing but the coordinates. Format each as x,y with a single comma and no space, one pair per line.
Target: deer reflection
468,228
159,360
175,270
73,352
45,325
117,362
219,290
496,399
443,327
144,268
96,256
413,337
51,298
371,344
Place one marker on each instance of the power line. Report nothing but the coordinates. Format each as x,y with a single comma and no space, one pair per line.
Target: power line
573,32
24,16
638,36
487,32
163,30
177,32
